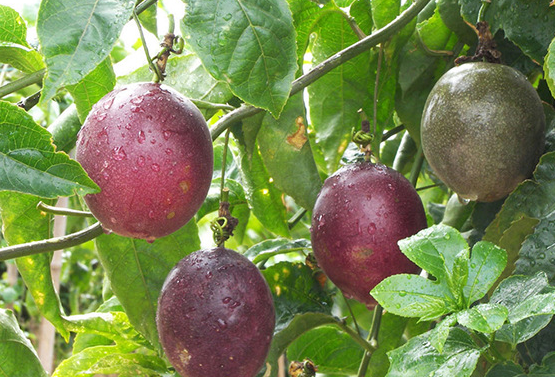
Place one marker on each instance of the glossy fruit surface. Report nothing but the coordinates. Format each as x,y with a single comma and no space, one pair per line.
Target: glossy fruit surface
150,151
483,130
361,212
216,315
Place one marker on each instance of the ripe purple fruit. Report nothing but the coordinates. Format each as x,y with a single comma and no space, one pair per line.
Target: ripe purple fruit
216,315
150,151
361,212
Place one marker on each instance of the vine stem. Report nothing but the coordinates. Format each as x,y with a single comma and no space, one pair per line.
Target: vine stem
51,244
157,75
372,340
62,211
377,37
25,81
224,164
483,9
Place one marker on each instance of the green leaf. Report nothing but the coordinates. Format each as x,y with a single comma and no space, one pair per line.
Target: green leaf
99,82
295,291
487,262
549,67
137,270
148,19
18,355
529,25
77,36
547,368
212,201
299,324
510,293
533,306
116,359
22,222
390,336
333,351
419,358
450,12
334,100
413,296
187,75
269,248
532,199
250,44
439,334
305,15
29,163
14,49
287,154
384,11
264,198
485,318
434,249
506,369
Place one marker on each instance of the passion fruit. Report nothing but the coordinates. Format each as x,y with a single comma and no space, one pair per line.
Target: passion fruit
216,315
149,150
361,212
483,130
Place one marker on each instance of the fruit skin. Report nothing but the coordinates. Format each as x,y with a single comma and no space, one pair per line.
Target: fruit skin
149,149
483,130
361,212
216,315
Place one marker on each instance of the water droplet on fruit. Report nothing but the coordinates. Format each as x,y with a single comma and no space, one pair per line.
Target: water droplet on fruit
208,275
141,161
113,220
155,167
151,214
137,100
371,228
119,154
226,300
462,200
105,175
169,151
153,141
141,139
149,117
150,239
108,103
128,126
137,109
100,117
167,134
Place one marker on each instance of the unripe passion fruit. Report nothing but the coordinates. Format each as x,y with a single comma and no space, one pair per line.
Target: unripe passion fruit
361,212
150,151
216,315
483,130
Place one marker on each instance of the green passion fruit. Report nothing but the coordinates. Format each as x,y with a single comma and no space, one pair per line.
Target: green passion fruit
149,149
483,130
361,212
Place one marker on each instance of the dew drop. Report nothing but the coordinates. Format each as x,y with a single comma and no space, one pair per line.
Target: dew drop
371,228
167,134
137,100
402,293
113,220
119,154
151,214
105,175
100,117
169,151
227,17
142,137
137,109
155,167
108,103
150,239
141,161
541,256
208,275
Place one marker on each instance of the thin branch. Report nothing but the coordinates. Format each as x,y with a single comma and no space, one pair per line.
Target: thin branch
201,104
51,244
25,81
379,36
372,340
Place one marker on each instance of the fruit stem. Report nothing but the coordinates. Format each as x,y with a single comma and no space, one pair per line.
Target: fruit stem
354,50
357,338
51,244
62,211
416,166
352,314
294,220
483,9
224,163
372,340
376,89
157,75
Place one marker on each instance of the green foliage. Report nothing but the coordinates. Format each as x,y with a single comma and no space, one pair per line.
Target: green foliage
486,286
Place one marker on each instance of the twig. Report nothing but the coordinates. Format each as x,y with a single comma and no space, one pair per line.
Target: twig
372,340
51,244
63,211
25,81
327,65
158,77
294,220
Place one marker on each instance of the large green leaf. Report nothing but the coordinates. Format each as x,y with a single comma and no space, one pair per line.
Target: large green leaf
269,248
532,199
487,262
305,15
528,24
250,44
137,270
485,318
22,222
287,155
187,75
419,358
335,99
295,291
93,87
510,293
103,360
549,67
14,49
77,36
29,163
263,197
18,355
